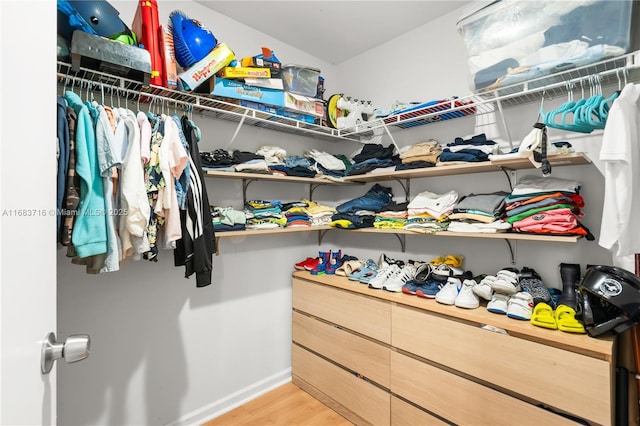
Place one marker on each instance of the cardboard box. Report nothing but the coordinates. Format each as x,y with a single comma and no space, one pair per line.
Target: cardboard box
170,76
207,67
269,83
244,72
277,98
256,61
280,111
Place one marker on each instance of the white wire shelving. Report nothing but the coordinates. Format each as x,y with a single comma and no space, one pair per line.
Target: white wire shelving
620,70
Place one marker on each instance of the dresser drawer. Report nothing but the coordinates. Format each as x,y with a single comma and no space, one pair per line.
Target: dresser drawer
367,401
366,315
462,401
562,379
405,414
364,356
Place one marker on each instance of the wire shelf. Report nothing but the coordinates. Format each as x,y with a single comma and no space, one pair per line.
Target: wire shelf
618,70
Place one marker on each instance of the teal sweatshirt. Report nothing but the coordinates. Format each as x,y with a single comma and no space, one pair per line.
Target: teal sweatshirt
90,230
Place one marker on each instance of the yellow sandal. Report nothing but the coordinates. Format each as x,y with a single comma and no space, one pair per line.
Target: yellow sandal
543,316
566,319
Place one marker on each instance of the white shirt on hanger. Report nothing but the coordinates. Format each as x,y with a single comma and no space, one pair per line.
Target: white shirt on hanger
620,154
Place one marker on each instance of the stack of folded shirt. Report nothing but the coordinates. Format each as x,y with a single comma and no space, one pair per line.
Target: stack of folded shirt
546,205
422,154
392,217
296,214
264,214
319,214
294,165
227,219
373,156
479,213
233,161
475,149
360,211
428,211
328,165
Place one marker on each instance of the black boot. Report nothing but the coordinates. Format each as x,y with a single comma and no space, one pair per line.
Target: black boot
570,276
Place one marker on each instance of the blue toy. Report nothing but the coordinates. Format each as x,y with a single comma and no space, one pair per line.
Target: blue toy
192,41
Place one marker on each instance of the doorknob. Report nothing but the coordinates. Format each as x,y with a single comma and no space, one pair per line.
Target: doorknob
74,349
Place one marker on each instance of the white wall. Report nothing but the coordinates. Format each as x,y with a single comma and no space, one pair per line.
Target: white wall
164,351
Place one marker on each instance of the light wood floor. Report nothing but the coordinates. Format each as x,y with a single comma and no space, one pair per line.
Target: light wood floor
287,405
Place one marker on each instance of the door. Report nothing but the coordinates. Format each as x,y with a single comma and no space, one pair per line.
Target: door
27,198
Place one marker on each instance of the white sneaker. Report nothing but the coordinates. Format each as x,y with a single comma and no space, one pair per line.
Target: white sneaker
506,282
395,282
447,294
483,288
520,306
383,275
466,298
498,304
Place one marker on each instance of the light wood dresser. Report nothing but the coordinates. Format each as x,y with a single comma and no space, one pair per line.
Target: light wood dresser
390,358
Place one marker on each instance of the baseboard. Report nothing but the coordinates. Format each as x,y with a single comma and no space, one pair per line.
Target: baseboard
236,399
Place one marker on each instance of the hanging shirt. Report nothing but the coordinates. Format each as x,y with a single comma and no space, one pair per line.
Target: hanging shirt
620,153
90,231
63,160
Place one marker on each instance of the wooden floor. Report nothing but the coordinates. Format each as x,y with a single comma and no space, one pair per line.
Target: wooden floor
287,405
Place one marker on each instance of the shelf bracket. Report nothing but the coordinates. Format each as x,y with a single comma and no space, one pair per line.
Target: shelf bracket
321,235
512,250
504,122
511,176
393,141
235,134
406,185
403,242
245,185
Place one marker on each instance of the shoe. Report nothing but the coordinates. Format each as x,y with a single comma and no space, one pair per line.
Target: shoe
383,275
395,282
570,277
423,273
466,298
543,316
499,303
447,295
483,289
348,267
410,287
429,289
520,306
505,282
531,282
566,320
335,261
306,265
437,261
321,267
442,272
368,265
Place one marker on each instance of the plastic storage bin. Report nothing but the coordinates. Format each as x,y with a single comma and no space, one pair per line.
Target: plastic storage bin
300,80
508,42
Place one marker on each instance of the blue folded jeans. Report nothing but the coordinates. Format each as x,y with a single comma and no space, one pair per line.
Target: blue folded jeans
374,200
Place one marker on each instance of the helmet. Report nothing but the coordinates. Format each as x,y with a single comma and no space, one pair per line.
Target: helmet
608,300
96,17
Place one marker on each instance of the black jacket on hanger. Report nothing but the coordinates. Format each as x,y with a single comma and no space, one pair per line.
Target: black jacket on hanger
196,247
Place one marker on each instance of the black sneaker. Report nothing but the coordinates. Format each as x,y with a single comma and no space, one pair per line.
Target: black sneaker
531,282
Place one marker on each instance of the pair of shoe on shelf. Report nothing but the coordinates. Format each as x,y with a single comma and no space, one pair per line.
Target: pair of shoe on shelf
327,262
392,274
431,277
458,291
563,317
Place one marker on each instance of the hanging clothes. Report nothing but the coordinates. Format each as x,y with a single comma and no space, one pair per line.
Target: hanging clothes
71,187
196,247
90,232
63,161
620,153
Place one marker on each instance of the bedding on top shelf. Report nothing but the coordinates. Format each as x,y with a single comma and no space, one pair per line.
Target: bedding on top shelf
509,42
